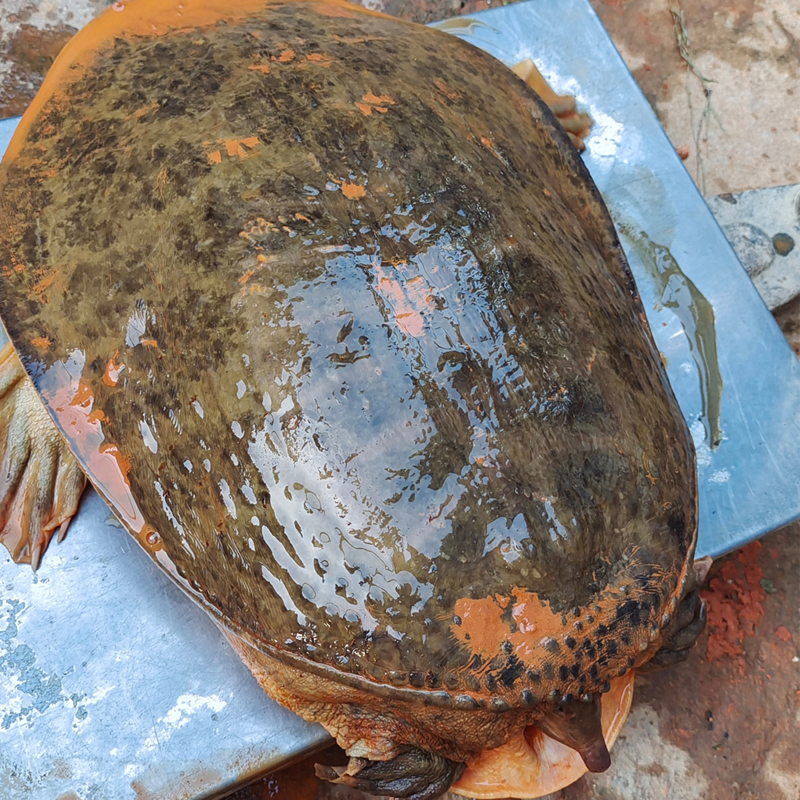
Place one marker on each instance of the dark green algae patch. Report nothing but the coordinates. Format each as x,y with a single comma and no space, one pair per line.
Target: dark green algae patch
342,302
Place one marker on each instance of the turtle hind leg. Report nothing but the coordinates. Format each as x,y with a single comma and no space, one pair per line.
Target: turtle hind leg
40,481
576,123
413,774
683,631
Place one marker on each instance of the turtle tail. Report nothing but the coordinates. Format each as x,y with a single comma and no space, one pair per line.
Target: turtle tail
40,481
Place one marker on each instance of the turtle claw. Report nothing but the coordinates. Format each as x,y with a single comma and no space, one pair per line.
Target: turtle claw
40,481
413,775
62,531
685,638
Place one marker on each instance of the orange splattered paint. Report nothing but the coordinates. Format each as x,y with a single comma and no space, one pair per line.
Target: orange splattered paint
735,600
378,100
484,630
371,102
265,68
285,56
536,622
647,472
408,299
489,144
352,191
449,93
782,632
72,403
253,289
123,461
482,627
486,626
41,341
149,343
38,290
233,147
319,58
112,373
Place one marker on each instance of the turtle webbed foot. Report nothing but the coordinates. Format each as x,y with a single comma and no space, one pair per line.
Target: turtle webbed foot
40,481
414,774
577,124
680,636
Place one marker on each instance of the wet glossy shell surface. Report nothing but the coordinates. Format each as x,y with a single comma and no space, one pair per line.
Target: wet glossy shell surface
331,313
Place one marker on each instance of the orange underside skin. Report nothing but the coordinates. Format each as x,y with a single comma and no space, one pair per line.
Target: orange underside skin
532,764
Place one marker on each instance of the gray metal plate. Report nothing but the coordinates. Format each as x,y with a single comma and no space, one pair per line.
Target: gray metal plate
114,686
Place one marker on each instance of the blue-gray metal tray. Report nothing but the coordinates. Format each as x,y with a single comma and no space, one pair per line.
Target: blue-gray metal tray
114,686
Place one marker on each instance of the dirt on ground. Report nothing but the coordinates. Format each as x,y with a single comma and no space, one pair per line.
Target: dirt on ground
722,75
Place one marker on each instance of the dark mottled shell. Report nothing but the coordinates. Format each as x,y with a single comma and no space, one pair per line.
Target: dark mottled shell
332,314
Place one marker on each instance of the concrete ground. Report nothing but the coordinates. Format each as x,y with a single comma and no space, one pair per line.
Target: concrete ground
722,75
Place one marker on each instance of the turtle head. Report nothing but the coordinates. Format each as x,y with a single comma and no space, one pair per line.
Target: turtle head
579,726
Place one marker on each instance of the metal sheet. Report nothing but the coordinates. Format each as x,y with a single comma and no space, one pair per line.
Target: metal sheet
114,686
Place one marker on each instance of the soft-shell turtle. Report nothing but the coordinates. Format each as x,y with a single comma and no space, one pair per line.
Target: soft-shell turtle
327,308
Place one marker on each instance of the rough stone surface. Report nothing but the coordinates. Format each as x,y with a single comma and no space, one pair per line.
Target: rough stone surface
763,225
737,109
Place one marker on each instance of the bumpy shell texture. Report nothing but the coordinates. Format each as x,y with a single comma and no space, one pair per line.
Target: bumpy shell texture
333,316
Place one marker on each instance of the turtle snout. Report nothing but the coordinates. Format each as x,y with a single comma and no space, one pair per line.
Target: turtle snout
596,756
579,726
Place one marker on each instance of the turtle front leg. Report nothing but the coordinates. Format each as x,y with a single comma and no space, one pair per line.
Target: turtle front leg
689,621
413,774
40,481
576,123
